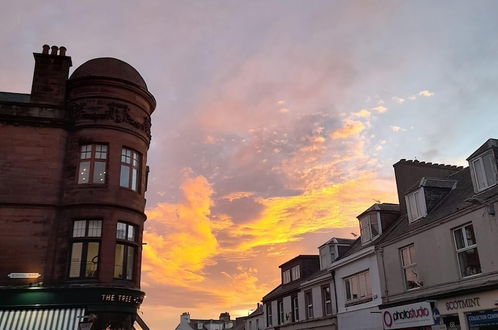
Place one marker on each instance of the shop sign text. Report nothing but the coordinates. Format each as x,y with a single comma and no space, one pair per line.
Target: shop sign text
462,303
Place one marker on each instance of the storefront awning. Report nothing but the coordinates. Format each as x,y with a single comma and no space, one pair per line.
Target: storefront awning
41,319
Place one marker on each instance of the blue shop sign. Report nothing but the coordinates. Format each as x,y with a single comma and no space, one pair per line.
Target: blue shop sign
482,318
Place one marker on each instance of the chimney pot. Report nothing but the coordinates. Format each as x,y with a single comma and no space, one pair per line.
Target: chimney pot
62,51
54,50
45,49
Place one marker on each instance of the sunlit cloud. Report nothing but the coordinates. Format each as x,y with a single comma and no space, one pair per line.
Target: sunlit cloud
425,92
399,100
350,128
363,113
397,129
380,109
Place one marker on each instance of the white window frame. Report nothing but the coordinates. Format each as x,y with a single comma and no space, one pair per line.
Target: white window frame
308,304
467,246
362,282
280,312
286,276
296,272
409,265
415,205
482,178
366,227
295,308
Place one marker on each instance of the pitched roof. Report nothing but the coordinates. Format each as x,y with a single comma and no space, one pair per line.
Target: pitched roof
339,240
491,143
388,207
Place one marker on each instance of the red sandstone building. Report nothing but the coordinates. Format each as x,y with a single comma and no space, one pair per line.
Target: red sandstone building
73,174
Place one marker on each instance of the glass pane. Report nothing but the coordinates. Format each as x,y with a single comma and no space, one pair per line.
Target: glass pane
118,261
479,173
99,172
136,162
469,262
86,152
94,228
129,263
469,235
75,266
348,289
411,249
121,230
101,151
459,239
355,287
411,277
79,228
413,206
131,233
124,180
134,179
368,285
374,224
126,156
489,168
92,259
84,172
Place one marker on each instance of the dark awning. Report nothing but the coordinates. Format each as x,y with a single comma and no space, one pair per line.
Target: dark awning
41,319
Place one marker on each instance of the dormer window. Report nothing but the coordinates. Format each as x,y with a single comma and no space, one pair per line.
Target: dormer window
483,169
415,205
286,276
296,272
370,227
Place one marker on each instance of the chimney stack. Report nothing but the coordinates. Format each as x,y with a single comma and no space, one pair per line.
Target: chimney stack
50,75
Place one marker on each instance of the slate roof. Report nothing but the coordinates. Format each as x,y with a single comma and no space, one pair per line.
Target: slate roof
389,207
284,289
455,201
257,311
14,97
491,143
339,241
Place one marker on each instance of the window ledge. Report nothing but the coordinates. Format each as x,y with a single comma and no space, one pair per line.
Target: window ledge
358,302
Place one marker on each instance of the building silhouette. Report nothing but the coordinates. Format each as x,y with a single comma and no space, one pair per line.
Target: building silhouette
73,174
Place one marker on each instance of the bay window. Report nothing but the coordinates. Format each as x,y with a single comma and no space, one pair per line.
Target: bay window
126,251
92,164
85,245
130,169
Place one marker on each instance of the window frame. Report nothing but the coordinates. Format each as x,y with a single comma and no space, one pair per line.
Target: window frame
269,315
127,244
295,308
286,276
466,248
280,312
92,160
85,242
130,166
326,302
366,227
410,266
415,200
349,283
476,170
296,270
308,304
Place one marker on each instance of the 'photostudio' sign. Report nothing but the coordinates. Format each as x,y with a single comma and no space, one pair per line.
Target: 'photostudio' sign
412,315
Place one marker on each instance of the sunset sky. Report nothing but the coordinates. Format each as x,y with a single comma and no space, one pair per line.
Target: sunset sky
277,121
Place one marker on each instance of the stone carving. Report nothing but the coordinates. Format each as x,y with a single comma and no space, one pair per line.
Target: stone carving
117,112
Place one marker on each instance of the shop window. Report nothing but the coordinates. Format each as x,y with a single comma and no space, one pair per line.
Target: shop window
92,164
326,300
358,287
85,248
126,251
308,304
466,249
130,169
409,265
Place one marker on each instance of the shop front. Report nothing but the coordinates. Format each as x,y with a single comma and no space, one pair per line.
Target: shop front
478,311
70,308
415,316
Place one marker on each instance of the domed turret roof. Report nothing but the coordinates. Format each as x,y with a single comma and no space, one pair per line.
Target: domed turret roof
110,68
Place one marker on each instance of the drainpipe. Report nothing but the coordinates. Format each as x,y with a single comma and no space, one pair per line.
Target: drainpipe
386,291
332,272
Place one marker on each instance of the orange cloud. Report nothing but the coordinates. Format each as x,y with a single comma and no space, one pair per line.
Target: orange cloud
350,128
